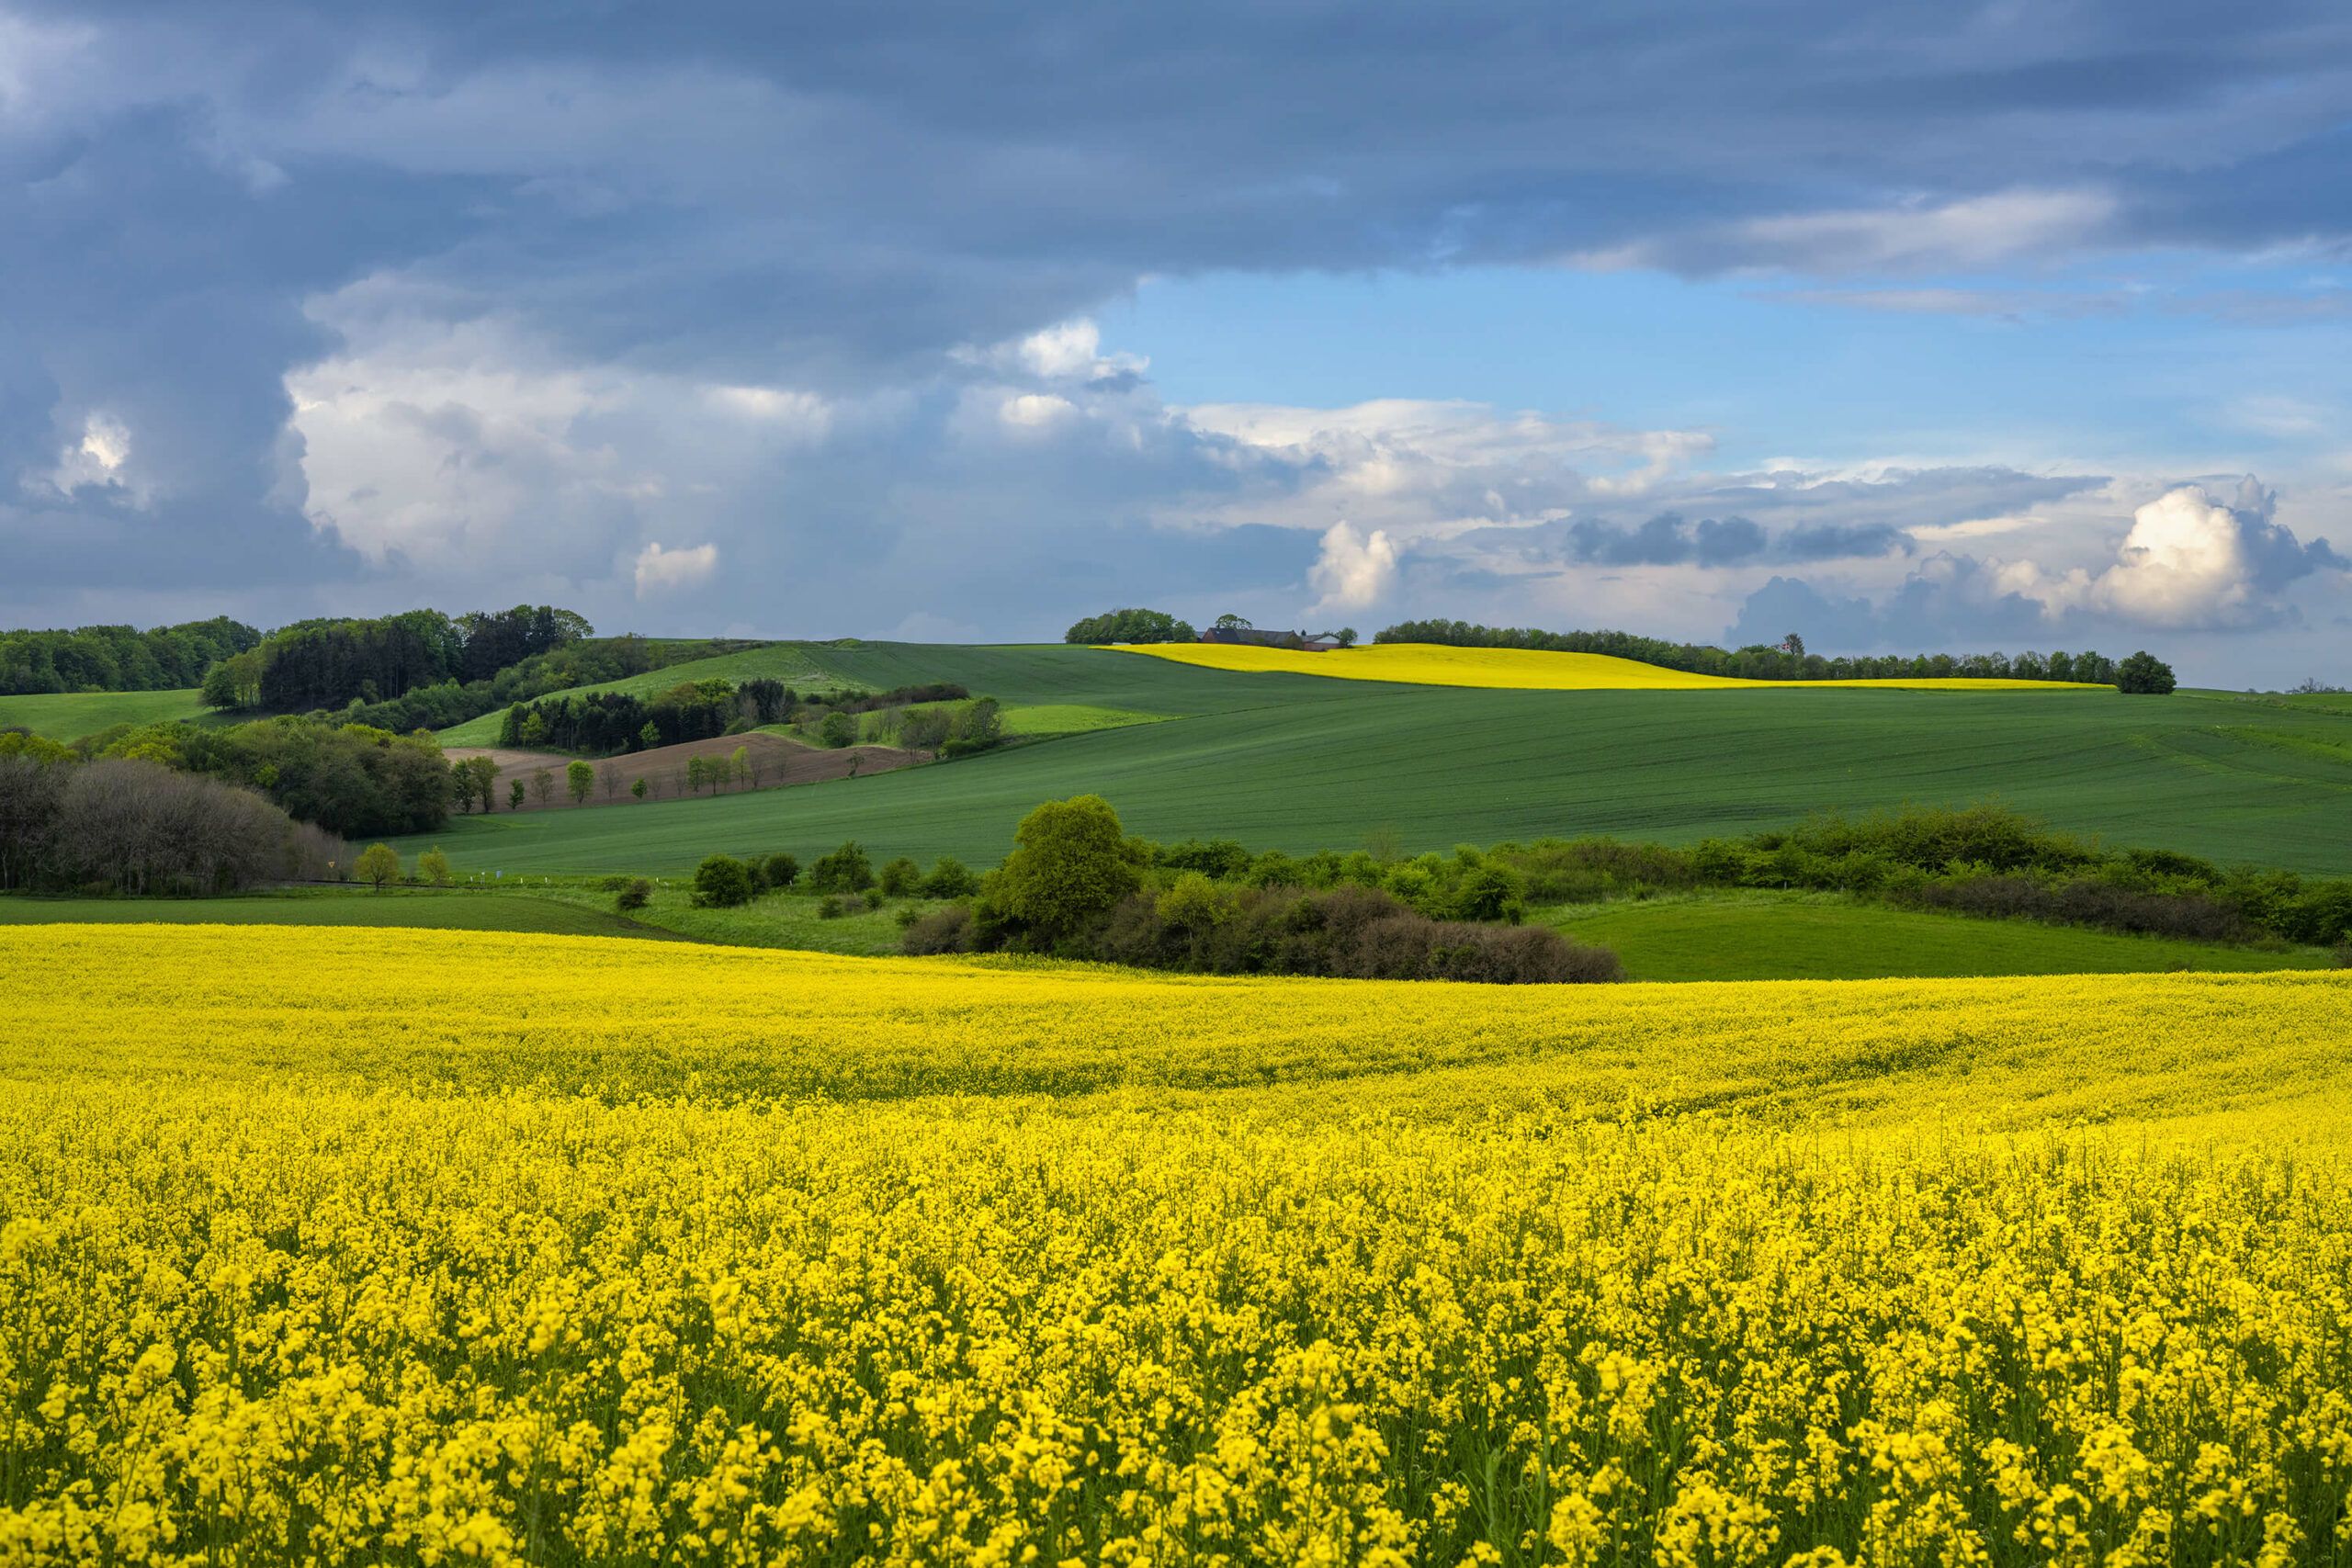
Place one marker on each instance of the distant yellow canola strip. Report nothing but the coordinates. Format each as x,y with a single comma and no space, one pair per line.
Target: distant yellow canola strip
1517,669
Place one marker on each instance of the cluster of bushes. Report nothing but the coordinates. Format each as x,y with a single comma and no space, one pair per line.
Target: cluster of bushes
731,881
350,779
1076,886
123,825
118,659
328,663
612,723
1131,625
586,663
1789,660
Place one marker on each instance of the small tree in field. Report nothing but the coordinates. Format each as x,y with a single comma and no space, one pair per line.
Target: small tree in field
723,881
579,778
698,773
637,789
739,764
610,777
433,866
543,786
1071,863
378,864
515,796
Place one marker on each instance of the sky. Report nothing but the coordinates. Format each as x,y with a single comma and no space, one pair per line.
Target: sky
1901,327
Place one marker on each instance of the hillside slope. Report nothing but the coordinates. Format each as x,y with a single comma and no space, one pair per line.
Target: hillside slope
1298,763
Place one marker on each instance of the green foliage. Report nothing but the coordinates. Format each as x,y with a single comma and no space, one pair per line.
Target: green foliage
778,871
844,870
1131,625
377,865
2143,674
723,882
636,894
950,878
118,659
837,730
1072,861
432,867
579,779
1192,903
901,878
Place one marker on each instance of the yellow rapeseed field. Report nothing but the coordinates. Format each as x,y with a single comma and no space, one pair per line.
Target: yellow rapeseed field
334,1245
1520,668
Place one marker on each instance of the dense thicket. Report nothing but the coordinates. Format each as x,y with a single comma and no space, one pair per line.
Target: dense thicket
350,779
1131,625
1761,662
606,724
1078,886
118,659
1981,860
589,663
330,663
122,825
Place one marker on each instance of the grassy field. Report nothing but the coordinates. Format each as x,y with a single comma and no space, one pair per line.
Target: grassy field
787,662
1824,937
414,909
397,1247
71,716
1522,669
1301,763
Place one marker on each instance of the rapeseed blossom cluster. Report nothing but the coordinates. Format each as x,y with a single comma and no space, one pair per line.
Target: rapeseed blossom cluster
1525,669
332,1245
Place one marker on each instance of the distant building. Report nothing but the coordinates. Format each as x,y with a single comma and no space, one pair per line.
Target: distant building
1250,637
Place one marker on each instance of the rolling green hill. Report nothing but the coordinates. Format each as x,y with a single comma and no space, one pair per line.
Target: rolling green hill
70,716
1301,763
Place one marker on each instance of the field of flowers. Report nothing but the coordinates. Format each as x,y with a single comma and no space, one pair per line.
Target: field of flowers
1521,669
337,1246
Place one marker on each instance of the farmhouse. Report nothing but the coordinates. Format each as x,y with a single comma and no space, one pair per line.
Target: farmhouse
1251,637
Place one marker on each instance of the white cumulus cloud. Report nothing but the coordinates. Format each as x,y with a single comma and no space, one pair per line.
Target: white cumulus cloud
659,569
1355,570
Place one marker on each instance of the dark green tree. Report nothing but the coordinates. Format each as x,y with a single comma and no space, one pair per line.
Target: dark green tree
2143,674
723,881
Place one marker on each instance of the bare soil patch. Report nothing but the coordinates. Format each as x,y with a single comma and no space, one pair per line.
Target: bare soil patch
776,760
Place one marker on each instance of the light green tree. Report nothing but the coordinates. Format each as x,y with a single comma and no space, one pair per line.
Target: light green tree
579,778
378,864
433,866
1072,861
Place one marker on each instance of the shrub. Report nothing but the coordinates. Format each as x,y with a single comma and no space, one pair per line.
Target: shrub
433,866
723,881
778,871
845,870
635,892
838,731
901,877
874,899
828,907
950,878
942,930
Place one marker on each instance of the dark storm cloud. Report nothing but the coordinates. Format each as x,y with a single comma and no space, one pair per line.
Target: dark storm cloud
1669,540
831,196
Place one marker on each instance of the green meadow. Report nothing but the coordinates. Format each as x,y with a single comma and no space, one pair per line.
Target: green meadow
1299,762
69,716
